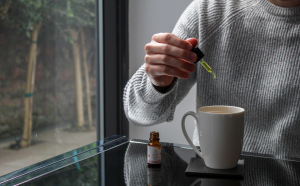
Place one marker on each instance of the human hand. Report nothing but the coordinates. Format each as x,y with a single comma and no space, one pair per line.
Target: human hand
167,57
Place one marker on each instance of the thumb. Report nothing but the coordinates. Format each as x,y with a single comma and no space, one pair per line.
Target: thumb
193,41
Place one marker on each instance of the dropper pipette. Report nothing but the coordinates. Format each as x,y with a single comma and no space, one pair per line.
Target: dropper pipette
203,63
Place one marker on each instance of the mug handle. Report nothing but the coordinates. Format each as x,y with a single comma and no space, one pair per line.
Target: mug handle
185,133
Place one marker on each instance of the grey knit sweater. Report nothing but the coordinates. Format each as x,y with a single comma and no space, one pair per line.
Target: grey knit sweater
253,48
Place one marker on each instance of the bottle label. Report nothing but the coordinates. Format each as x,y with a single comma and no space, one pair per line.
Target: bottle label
154,155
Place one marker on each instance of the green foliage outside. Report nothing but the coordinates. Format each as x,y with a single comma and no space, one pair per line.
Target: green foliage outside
21,16
24,14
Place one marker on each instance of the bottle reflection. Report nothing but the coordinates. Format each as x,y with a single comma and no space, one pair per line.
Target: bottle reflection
153,176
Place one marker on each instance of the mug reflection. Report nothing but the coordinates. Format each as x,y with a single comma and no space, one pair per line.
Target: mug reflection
215,182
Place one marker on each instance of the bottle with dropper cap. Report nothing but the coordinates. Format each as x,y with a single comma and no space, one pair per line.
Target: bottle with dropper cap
203,63
154,150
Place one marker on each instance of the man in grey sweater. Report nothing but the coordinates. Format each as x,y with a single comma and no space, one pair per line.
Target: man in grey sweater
252,47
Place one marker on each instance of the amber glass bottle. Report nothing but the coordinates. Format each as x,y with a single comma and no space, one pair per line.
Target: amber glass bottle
154,150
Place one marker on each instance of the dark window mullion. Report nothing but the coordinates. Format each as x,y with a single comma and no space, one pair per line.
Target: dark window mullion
115,37
115,65
123,62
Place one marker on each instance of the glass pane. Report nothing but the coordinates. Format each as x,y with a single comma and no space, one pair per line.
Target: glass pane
86,172
126,164
57,163
47,79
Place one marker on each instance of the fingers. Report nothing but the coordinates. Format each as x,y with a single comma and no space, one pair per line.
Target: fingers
162,48
167,57
163,70
161,59
172,40
193,41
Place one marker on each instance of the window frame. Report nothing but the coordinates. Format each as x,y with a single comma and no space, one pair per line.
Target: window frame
113,66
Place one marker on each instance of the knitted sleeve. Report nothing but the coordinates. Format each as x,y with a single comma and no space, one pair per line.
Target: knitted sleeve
143,104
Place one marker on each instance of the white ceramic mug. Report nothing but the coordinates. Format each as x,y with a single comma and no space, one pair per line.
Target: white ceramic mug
221,134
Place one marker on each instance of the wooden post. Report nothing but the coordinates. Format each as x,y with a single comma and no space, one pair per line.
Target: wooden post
6,7
78,81
87,81
28,101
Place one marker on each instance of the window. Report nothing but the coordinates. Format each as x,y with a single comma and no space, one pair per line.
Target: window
63,67
48,79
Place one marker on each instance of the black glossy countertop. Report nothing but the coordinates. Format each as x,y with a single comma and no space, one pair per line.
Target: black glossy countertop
118,160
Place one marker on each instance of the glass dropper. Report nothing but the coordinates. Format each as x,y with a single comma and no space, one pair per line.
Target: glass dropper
207,67
203,63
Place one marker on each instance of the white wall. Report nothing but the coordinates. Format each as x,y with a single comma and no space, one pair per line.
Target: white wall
145,19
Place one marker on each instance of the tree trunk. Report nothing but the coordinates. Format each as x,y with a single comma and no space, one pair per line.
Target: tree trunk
78,81
6,7
28,101
87,81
